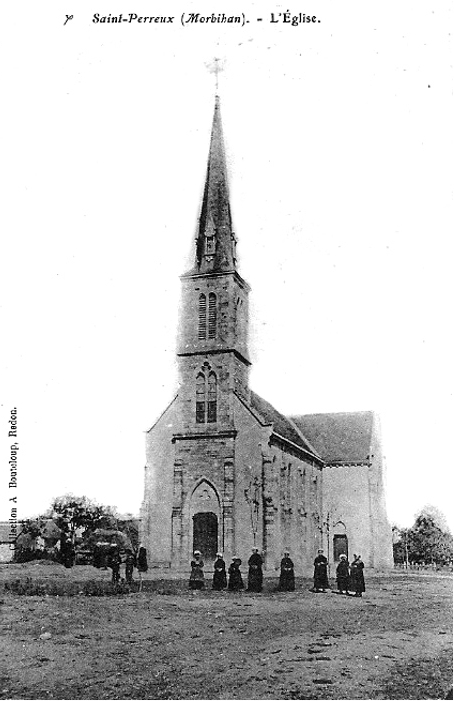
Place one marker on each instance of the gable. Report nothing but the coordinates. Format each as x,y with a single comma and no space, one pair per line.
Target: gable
339,437
163,415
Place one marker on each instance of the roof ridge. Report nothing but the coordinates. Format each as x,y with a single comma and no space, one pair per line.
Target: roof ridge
303,443
339,436
252,409
335,413
304,437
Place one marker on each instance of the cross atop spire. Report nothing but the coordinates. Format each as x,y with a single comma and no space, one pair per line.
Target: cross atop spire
216,67
215,242
217,70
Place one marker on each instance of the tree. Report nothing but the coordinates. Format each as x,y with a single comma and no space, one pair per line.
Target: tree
72,513
25,546
31,527
428,541
437,516
400,545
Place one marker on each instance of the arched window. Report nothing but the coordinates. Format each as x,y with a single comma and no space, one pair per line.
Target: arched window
340,541
202,317
212,398
211,315
200,403
206,398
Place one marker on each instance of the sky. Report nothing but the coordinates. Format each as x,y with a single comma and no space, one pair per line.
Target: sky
340,149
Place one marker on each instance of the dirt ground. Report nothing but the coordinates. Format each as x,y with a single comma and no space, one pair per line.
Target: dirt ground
394,643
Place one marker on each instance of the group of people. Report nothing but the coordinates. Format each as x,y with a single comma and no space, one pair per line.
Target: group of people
235,578
234,581
349,576
114,561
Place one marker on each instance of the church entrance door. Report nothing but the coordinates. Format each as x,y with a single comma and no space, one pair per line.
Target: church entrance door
205,534
340,547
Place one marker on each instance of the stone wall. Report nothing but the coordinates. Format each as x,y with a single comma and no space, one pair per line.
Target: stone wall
222,471
353,496
156,511
203,475
346,501
290,501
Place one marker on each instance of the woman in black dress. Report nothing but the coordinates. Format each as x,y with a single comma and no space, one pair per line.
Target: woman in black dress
142,564
219,576
255,574
197,578
235,578
342,575
357,576
321,572
287,575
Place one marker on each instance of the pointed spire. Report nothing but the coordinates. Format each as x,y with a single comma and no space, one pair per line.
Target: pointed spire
215,247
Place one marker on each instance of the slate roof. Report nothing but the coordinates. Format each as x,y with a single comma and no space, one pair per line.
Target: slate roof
281,424
340,437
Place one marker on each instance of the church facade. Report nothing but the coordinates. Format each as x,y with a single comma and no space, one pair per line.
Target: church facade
225,471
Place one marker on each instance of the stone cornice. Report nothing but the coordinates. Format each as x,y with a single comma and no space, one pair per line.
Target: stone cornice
214,351
306,453
348,463
241,281
191,435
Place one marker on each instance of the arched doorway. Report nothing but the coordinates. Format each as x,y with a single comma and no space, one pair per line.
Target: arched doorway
205,534
340,541
205,521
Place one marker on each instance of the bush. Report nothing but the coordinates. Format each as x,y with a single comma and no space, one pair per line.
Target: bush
28,555
30,587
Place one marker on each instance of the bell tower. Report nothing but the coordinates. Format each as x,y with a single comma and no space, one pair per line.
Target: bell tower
212,345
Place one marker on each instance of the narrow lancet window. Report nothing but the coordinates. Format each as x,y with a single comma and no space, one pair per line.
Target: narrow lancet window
206,398
200,400
212,315
212,398
202,317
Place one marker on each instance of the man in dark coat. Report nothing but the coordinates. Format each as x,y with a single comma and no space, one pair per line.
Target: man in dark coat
357,576
255,574
114,562
287,575
129,567
321,572
235,578
219,576
142,564
67,550
342,575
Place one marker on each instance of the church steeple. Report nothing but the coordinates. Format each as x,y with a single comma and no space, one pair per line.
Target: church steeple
216,243
213,333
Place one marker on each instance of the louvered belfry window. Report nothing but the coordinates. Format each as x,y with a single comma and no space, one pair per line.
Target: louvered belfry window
202,317
206,398
211,315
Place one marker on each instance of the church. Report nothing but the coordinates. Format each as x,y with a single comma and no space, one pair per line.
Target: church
225,471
